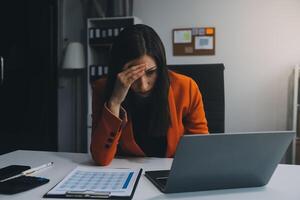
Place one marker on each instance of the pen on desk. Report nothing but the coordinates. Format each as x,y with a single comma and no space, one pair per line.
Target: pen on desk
35,169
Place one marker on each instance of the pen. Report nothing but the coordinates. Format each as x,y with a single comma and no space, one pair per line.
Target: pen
35,169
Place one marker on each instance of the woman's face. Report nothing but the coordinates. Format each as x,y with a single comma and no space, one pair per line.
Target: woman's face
144,85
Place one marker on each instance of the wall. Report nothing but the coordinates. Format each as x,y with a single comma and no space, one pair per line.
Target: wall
257,40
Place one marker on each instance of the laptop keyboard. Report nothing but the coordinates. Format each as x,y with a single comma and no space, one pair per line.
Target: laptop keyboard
160,176
162,180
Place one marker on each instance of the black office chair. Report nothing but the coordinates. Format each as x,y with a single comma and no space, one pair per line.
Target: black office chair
210,80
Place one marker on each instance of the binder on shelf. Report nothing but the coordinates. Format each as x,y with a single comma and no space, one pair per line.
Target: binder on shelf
98,33
91,33
92,70
97,71
100,71
93,73
103,33
109,32
105,70
91,182
116,32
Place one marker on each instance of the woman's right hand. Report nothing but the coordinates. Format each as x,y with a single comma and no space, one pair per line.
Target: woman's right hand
123,82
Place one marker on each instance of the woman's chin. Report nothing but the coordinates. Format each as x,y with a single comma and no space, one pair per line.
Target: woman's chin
143,94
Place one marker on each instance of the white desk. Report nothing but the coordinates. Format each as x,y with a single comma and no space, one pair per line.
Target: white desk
285,183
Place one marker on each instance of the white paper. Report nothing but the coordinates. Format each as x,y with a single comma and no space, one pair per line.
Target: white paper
119,182
182,36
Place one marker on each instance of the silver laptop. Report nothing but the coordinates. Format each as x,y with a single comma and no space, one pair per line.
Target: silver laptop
223,161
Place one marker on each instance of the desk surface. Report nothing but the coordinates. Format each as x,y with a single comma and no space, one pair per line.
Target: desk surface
284,184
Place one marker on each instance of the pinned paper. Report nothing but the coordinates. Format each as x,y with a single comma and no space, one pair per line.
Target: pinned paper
182,36
204,42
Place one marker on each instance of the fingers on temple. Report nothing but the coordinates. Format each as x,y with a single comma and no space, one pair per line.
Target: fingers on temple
135,68
133,76
128,78
129,75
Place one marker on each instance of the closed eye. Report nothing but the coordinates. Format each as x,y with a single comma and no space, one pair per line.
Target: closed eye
151,71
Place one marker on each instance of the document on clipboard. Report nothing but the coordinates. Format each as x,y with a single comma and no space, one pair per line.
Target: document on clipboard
97,183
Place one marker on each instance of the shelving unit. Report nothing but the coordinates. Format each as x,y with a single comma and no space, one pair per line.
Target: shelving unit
100,35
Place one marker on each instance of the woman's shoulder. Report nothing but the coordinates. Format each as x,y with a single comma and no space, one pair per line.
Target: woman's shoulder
180,80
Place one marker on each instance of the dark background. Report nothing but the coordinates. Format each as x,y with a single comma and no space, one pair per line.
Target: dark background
28,91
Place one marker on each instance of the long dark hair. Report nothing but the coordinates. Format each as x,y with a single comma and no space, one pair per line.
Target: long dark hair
133,43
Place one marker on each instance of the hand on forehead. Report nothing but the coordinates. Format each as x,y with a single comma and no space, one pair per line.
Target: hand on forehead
146,65
144,61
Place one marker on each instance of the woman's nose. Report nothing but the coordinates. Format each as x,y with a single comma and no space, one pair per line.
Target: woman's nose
143,84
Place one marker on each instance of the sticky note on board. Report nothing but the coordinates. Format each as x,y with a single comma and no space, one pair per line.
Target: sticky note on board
209,31
201,31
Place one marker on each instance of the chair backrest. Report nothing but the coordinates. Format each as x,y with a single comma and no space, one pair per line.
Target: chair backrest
210,80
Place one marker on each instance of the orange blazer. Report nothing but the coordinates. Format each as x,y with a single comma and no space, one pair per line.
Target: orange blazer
108,131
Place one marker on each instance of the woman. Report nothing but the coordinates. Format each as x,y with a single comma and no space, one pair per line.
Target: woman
142,109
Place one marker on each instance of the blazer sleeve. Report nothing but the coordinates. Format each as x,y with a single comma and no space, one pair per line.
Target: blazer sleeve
195,121
106,128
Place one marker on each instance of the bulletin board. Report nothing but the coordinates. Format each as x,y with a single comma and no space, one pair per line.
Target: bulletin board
194,41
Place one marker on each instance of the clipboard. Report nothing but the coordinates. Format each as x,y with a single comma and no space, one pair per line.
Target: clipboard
97,183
